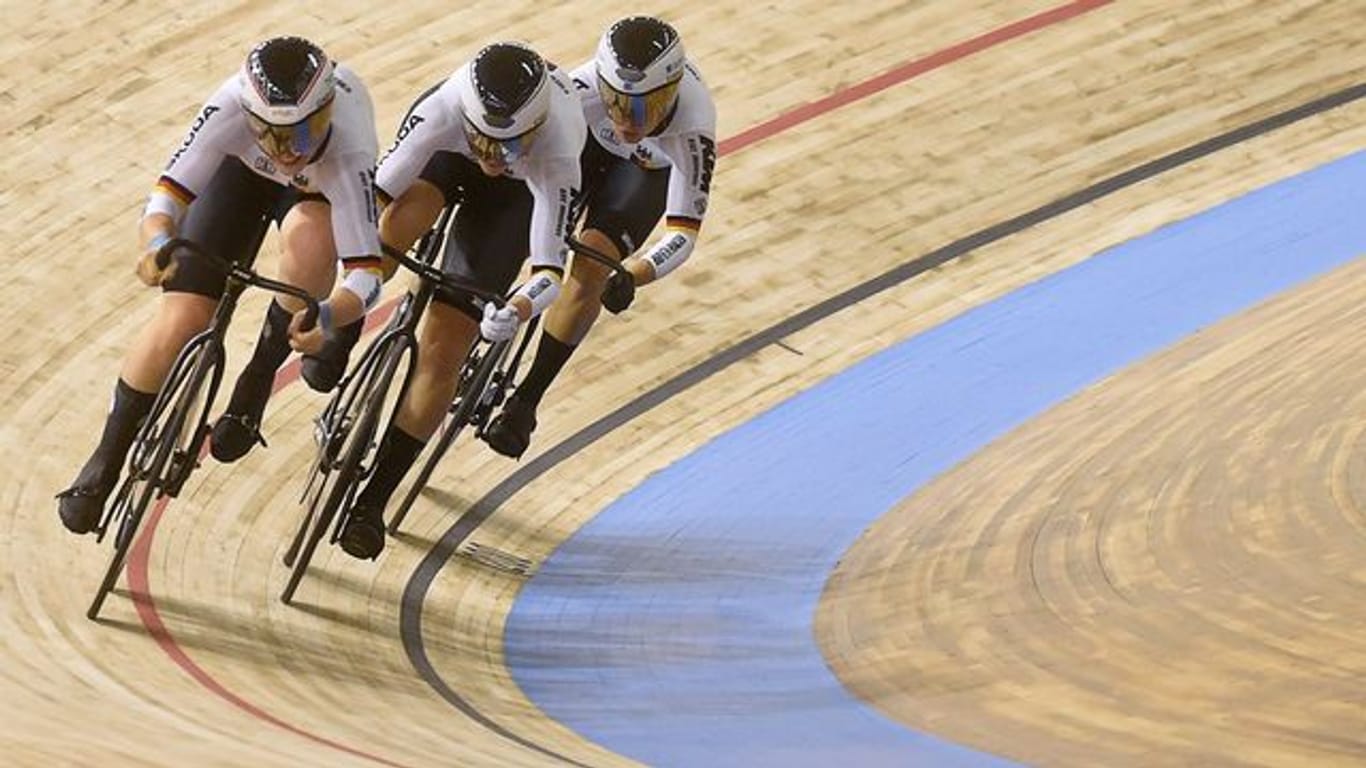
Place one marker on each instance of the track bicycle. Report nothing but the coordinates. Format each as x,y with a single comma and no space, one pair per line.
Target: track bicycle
170,440
348,429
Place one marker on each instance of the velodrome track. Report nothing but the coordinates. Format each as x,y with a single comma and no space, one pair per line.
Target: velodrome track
1139,221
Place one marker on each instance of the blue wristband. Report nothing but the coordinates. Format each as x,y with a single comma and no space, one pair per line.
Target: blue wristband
158,240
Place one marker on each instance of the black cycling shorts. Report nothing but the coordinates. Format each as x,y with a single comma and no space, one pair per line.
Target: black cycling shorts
491,232
229,219
621,199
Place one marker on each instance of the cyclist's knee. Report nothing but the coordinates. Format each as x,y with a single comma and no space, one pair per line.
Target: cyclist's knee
446,337
588,271
182,315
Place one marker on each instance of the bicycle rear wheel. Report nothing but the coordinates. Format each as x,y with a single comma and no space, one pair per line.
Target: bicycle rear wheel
354,426
173,428
475,378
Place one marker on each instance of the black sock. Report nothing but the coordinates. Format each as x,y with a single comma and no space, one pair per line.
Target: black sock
397,453
272,347
551,355
130,407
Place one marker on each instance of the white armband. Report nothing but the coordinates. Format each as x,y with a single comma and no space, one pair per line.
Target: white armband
365,282
541,290
671,251
163,203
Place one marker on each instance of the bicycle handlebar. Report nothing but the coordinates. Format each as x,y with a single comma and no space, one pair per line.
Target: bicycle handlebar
583,249
168,251
434,274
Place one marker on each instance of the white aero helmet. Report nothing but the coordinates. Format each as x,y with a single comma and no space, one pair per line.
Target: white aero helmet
640,63
287,86
505,99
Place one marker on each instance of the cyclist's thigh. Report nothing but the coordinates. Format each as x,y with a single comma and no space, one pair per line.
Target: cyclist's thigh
228,219
452,173
627,203
489,239
309,252
594,163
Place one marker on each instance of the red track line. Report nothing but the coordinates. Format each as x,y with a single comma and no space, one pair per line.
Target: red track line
138,583
863,90
147,612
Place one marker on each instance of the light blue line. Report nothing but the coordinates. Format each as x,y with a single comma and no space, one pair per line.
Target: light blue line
676,627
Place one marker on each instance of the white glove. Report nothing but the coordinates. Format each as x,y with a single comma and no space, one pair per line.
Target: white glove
499,324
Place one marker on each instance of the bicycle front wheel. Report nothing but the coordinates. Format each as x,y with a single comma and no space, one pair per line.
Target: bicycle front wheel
474,388
171,433
355,424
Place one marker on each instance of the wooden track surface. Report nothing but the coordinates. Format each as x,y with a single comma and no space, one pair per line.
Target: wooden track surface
96,96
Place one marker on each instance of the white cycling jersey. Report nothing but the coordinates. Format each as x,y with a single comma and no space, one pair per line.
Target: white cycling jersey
550,167
686,142
342,170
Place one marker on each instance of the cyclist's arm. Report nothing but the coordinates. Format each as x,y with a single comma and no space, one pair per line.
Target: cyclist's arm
190,168
410,205
350,189
693,156
552,214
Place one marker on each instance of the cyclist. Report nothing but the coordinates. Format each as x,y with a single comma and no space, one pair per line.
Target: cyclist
500,139
653,150
290,138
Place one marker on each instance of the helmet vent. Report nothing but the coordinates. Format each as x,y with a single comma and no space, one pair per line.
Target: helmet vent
505,77
284,68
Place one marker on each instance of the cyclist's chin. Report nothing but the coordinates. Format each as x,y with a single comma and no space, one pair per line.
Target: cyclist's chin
492,167
290,163
630,134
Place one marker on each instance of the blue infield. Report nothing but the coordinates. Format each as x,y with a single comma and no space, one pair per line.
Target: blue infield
676,627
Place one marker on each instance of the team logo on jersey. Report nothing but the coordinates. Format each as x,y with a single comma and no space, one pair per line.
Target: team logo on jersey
406,128
367,183
669,248
705,164
204,116
564,210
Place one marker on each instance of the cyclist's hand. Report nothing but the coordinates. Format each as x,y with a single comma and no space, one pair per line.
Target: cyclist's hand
150,272
619,292
500,323
308,342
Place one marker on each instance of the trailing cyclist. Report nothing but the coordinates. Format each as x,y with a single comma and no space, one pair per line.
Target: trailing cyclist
652,154
500,139
290,138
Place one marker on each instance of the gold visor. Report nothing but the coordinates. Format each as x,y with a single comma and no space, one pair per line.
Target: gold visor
499,151
299,139
642,111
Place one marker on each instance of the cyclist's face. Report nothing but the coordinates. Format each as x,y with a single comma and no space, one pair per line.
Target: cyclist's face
495,155
291,146
635,115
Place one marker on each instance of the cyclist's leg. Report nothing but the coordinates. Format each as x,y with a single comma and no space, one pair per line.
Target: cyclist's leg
621,208
223,220
239,426
487,246
308,259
